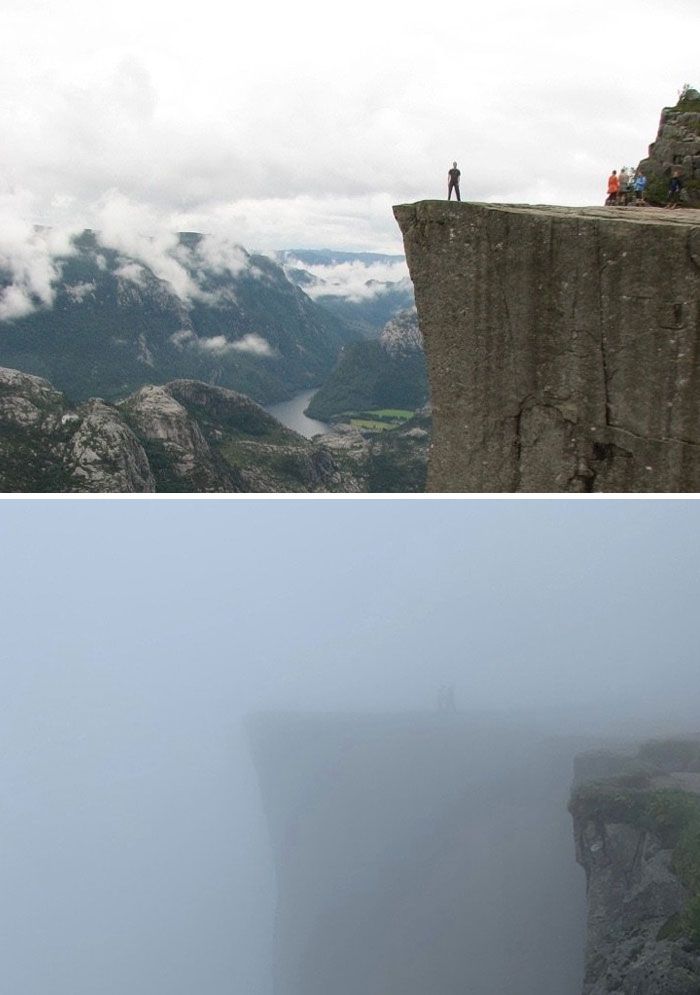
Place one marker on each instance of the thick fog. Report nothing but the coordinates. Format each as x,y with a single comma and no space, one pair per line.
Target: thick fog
138,635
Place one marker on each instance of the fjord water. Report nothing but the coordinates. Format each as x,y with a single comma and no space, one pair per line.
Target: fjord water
291,414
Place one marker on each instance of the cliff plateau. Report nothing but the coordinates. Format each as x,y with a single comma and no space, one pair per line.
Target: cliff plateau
562,345
416,854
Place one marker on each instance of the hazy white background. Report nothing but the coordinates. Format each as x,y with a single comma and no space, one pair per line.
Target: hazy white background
299,124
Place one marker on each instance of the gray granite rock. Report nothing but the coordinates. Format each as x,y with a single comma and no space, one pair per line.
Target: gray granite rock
184,436
676,148
628,821
46,446
104,455
563,345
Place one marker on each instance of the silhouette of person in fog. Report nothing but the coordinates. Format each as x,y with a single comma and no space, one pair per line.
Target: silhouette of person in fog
453,182
446,698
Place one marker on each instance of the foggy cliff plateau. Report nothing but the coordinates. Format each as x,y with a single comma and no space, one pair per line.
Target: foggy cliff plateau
414,853
562,345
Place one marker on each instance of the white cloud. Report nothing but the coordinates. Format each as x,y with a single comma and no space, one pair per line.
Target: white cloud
254,344
221,255
28,258
15,302
137,232
310,143
216,343
355,280
79,291
251,343
183,337
132,272
151,240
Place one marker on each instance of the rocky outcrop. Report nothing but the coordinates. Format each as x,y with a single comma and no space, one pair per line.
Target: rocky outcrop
104,455
393,461
165,425
637,839
402,334
181,437
676,149
47,446
562,345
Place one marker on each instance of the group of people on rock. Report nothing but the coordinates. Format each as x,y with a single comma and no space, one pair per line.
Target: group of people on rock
624,188
627,187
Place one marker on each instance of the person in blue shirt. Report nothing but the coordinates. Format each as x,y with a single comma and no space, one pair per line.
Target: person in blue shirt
640,185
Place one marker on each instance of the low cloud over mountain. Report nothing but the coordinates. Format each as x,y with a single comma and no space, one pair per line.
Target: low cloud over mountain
100,313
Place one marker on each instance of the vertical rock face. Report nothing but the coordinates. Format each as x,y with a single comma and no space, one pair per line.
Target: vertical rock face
637,837
562,343
419,855
632,894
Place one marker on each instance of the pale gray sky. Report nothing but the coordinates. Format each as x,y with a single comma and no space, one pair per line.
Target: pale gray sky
283,124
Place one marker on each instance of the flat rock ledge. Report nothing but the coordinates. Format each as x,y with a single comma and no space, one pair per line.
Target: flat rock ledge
562,343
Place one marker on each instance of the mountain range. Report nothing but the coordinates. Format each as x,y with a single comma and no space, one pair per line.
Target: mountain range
188,437
143,366
388,372
363,289
184,436
201,310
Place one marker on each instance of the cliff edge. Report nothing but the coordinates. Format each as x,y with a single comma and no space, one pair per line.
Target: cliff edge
562,345
638,838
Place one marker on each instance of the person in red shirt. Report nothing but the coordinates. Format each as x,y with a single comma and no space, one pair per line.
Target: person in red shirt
613,188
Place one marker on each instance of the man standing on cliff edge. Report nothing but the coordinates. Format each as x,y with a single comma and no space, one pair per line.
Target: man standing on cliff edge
453,182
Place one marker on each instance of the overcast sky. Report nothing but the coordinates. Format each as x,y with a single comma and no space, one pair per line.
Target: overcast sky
137,635
280,125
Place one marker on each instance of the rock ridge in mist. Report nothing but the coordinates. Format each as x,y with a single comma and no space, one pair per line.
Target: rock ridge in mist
637,830
562,345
